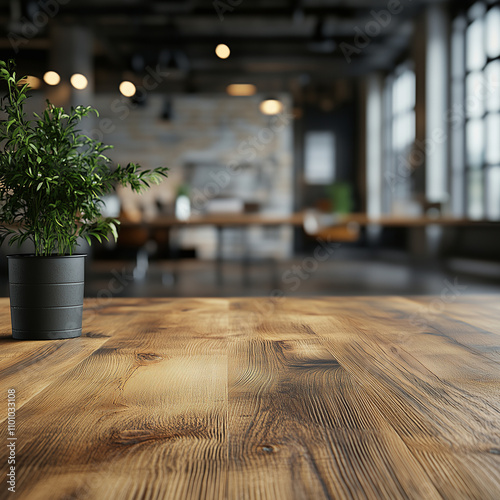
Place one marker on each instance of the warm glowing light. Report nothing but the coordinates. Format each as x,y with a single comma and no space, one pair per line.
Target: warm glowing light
32,81
51,78
79,81
271,107
222,51
127,88
241,89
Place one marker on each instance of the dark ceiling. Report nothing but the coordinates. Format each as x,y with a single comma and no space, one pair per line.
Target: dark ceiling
272,42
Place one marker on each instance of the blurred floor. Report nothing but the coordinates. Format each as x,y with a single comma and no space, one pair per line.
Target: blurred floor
343,274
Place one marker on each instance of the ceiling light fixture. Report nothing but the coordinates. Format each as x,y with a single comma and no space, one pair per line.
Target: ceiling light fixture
222,51
271,107
127,88
32,81
51,78
79,81
241,89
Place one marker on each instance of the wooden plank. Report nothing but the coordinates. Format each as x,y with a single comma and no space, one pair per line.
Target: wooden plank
142,416
30,367
478,314
300,425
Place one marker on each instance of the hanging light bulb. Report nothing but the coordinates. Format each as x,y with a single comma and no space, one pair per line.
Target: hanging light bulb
127,88
79,81
241,89
271,107
222,51
51,78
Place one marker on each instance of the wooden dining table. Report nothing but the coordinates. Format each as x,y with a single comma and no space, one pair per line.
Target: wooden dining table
257,398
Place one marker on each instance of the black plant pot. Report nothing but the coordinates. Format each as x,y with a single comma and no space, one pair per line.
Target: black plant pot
46,296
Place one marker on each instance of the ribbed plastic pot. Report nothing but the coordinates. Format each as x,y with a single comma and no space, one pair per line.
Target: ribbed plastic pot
46,296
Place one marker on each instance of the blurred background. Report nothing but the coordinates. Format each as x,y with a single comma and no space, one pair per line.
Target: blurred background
330,147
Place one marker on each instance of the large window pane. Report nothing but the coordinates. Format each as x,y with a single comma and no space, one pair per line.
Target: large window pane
493,138
474,141
411,127
399,109
476,94
403,93
410,88
493,193
396,96
475,55
475,209
492,85
403,131
493,32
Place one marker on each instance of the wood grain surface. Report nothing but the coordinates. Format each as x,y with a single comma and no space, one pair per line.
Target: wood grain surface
254,398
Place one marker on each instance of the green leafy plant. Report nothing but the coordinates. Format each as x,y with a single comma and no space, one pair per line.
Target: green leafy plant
52,177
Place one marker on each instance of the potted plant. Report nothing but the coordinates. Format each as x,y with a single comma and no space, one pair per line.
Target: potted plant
52,178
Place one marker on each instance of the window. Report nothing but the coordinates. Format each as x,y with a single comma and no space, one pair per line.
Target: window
399,131
476,90
319,157
492,32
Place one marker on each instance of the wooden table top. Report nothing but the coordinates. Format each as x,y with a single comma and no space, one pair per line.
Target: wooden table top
412,221
297,219
377,397
222,220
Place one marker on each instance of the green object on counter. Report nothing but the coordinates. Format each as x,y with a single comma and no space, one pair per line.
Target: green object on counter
341,197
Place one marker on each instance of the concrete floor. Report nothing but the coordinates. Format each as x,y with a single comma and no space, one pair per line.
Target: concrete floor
347,272
342,274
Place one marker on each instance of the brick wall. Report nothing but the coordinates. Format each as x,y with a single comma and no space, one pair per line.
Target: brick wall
222,146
